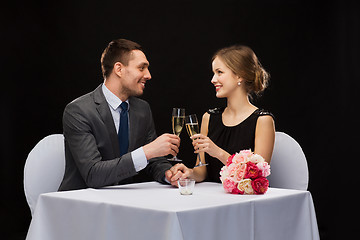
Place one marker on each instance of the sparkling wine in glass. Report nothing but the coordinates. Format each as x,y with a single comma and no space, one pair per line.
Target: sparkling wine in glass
192,127
178,119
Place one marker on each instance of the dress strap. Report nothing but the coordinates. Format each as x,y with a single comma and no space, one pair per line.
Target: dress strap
262,112
218,110
259,112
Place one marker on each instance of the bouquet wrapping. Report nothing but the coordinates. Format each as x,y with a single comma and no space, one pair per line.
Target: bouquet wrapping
245,173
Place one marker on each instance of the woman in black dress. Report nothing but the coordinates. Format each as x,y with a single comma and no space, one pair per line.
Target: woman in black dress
240,125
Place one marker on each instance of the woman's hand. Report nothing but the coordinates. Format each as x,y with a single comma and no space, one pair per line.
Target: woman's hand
203,143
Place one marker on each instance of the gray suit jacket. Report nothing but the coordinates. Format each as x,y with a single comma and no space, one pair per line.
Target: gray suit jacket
91,144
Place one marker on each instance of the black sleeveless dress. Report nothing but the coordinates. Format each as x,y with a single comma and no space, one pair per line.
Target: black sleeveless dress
232,139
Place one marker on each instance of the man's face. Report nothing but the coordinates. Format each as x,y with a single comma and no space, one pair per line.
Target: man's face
135,74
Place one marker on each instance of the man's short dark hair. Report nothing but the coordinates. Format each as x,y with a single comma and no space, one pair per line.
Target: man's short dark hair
117,51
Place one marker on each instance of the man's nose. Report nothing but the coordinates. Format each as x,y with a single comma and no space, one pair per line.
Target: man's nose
147,75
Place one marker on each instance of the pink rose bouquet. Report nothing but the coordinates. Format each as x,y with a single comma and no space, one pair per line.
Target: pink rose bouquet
245,173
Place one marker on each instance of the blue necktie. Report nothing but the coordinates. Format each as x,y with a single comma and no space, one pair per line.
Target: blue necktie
123,134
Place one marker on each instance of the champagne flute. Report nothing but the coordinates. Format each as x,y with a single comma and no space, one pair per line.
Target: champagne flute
192,127
178,119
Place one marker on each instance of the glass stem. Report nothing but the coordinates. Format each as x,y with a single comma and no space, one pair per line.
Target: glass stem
198,155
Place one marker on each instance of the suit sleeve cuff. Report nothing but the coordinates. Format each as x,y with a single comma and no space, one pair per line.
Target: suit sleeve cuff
139,159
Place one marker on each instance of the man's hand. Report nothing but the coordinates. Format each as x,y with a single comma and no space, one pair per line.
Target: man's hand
176,172
164,145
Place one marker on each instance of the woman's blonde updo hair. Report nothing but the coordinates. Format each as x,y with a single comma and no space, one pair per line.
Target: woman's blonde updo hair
244,63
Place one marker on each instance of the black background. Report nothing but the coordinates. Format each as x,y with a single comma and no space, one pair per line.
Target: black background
50,55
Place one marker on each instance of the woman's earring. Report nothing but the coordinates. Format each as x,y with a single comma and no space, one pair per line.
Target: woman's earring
239,83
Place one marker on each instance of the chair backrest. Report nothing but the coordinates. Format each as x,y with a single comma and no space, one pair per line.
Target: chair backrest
288,164
44,168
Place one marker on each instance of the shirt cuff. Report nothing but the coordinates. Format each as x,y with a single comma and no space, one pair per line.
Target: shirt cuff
139,159
165,180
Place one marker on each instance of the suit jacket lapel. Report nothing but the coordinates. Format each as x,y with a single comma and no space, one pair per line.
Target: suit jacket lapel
105,114
134,121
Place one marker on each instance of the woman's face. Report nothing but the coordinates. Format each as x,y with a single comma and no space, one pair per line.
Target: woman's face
224,80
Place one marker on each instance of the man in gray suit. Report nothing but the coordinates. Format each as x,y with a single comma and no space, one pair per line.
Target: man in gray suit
97,128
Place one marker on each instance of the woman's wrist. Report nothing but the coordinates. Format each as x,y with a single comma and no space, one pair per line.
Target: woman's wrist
223,156
191,175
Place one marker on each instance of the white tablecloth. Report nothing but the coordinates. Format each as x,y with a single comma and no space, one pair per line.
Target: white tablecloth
155,211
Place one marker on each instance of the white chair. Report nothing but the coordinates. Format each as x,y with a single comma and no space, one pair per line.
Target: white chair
288,164
44,168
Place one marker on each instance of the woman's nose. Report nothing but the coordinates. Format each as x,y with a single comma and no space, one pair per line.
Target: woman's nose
213,80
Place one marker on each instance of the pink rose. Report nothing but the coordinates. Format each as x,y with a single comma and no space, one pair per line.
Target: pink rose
252,171
246,153
231,169
224,173
256,158
229,185
239,158
240,172
260,185
264,167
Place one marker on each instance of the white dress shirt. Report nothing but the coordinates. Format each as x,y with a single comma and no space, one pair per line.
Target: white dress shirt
138,155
